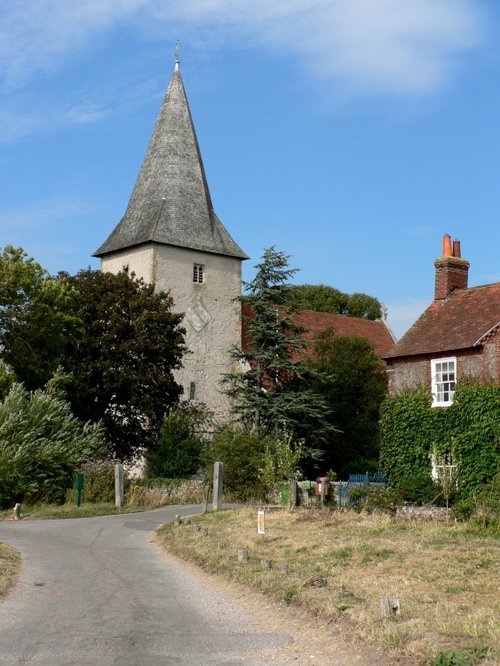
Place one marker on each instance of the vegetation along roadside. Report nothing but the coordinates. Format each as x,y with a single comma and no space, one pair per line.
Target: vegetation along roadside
340,565
10,565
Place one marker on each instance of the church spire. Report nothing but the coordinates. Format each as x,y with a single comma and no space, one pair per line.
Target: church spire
171,202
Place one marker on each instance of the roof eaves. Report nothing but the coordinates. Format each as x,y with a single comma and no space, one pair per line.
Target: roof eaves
151,241
486,335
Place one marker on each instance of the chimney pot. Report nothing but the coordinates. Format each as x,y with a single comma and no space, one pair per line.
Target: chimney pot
447,246
456,248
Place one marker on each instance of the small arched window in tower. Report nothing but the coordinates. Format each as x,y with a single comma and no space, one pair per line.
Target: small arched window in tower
198,273
192,391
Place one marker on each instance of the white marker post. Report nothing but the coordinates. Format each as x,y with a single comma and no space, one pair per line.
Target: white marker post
217,490
261,522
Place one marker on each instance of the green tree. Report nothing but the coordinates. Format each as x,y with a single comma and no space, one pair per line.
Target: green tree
36,318
122,366
42,444
180,444
364,306
264,395
324,298
353,381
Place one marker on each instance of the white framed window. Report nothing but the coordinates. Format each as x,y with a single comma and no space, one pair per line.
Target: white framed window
443,379
198,273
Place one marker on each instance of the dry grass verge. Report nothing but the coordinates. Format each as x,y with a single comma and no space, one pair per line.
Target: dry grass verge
340,565
55,511
10,565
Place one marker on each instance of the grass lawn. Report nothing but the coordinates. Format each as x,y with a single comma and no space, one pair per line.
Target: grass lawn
340,565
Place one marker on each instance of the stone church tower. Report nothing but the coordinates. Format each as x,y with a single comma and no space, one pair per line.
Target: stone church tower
172,238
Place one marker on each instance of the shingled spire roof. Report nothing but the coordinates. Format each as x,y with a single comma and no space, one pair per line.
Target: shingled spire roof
171,202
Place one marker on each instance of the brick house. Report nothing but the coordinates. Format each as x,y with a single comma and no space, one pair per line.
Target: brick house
457,337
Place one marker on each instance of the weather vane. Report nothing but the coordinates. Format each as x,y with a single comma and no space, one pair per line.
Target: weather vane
177,49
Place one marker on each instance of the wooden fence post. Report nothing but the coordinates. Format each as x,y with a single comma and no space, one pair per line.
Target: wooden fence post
206,491
119,494
217,491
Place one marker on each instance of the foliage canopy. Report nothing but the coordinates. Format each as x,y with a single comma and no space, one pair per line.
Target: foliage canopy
36,319
263,393
468,431
42,444
324,298
122,365
353,381
180,445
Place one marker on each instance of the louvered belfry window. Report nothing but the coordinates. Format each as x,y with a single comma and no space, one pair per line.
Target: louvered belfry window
198,273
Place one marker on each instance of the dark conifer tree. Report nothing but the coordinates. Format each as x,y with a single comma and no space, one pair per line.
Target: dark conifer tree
263,393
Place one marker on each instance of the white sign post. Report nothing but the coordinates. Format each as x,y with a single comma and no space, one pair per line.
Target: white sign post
261,522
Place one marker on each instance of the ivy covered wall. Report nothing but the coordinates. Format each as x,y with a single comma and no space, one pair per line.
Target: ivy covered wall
468,430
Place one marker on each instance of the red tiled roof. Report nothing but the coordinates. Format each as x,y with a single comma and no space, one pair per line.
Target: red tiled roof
458,322
317,322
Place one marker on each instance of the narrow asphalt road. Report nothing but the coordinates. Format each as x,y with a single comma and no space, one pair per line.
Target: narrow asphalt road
97,591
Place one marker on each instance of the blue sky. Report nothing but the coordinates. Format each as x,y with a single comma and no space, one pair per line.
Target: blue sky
351,134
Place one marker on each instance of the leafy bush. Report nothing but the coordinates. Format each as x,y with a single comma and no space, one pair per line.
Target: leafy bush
99,481
419,488
464,509
179,449
242,454
281,460
374,499
42,444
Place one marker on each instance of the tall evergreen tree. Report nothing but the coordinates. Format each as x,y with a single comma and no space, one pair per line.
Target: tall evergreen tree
263,392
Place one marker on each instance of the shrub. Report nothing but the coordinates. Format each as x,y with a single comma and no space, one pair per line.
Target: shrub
179,449
41,445
242,454
280,461
419,488
374,499
99,481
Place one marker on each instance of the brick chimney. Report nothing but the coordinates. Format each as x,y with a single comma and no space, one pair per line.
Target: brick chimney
451,270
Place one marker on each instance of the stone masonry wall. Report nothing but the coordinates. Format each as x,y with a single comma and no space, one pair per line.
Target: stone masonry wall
212,315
